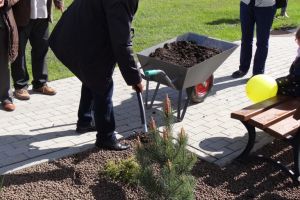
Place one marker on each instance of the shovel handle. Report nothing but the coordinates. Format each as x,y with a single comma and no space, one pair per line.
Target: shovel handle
142,111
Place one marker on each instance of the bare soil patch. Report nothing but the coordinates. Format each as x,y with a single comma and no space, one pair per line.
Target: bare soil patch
76,177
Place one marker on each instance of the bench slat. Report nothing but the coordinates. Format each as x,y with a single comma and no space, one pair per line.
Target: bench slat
284,128
255,109
275,114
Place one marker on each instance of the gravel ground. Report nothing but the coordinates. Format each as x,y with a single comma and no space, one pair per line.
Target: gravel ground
76,177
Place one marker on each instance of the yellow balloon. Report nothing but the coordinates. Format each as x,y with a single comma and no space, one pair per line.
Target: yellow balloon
261,87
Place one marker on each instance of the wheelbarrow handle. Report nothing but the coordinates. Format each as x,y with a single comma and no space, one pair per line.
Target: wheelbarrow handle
162,74
142,111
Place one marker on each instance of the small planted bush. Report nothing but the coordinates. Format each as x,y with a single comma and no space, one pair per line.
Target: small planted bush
165,163
124,170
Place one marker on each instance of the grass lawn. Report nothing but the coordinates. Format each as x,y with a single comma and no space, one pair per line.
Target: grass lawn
158,20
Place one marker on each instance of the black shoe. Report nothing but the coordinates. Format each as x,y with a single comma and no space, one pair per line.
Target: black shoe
238,74
117,146
85,129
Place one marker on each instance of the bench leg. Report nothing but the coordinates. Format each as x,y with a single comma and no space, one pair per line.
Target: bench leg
251,141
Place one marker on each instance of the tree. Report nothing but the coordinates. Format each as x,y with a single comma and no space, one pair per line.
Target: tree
165,163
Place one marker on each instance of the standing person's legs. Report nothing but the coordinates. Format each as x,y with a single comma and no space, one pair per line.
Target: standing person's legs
18,67
39,41
5,95
283,10
105,120
85,118
264,19
247,27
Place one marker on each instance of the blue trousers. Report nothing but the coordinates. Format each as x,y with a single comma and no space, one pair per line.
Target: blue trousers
262,18
102,106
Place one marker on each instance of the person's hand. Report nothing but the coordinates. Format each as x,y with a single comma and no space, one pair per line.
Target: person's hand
60,6
139,87
1,3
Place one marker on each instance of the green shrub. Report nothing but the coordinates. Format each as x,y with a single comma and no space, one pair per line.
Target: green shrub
124,170
165,163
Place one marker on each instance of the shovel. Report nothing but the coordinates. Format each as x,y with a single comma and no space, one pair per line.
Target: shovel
142,111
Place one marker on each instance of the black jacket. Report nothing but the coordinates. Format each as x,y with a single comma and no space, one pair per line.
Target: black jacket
92,36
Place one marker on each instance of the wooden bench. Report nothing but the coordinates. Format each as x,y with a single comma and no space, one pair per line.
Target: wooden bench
277,116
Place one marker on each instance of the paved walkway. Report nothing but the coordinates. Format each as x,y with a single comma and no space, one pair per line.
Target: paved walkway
42,128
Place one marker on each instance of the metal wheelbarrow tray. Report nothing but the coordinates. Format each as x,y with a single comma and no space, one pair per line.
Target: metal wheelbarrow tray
180,77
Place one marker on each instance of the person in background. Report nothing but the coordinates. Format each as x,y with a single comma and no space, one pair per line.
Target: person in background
91,37
8,51
283,12
290,85
32,18
259,13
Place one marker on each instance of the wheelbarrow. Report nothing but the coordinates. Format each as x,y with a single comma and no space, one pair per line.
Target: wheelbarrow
197,80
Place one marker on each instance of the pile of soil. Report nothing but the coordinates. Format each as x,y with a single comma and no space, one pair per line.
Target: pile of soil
184,53
77,177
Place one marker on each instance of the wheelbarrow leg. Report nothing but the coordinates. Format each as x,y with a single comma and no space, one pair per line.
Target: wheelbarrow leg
186,104
147,93
179,105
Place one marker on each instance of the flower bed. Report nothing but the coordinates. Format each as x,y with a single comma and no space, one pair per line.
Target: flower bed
77,177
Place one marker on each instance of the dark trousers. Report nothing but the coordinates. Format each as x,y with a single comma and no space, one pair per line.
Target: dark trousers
85,115
37,32
262,17
4,70
102,105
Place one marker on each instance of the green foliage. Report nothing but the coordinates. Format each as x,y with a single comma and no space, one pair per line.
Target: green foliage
125,170
166,164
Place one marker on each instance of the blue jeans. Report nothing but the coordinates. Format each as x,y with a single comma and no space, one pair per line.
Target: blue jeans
262,17
102,106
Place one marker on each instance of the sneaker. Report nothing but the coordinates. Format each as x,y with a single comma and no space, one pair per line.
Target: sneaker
85,129
238,74
284,14
22,94
45,89
8,105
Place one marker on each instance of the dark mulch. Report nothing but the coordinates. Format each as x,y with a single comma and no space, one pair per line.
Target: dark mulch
184,53
76,177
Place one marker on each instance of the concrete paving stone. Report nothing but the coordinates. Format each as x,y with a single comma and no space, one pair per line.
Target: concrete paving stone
3,155
63,138
16,127
25,142
237,145
201,155
42,144
227,159
64,144
18,150
222,152
7,139
218,144
6,147
37,152
80,140
215,130
13,159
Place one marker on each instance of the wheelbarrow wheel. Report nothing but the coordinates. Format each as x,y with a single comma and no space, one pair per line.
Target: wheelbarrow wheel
201,91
